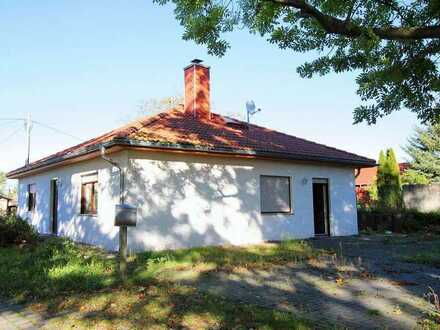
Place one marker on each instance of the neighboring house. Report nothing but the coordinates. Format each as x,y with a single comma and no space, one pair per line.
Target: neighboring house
6,203
197,178
365,177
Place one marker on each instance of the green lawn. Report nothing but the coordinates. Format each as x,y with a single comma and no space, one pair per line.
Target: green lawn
431,258
57,275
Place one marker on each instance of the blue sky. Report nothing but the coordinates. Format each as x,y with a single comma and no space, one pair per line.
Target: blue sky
83,66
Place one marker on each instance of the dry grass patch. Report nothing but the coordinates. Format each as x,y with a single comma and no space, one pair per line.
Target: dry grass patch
164,306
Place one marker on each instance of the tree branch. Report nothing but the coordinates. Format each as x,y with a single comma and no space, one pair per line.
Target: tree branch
394,7
350,11
334,25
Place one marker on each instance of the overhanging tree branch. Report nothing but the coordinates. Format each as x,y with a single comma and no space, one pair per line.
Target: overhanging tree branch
396,9
334,25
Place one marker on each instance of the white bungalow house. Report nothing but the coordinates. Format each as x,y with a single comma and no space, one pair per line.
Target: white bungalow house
196,177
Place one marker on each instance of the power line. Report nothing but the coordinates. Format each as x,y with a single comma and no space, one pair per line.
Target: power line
7,138
12,119
43,125
7,123
28,127
57,130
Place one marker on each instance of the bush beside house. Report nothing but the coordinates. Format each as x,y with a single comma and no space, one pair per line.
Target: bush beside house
14,230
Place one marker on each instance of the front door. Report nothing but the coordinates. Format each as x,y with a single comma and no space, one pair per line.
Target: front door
54,206
321,207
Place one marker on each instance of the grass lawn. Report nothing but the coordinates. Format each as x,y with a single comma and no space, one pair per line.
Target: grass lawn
431,258
57,276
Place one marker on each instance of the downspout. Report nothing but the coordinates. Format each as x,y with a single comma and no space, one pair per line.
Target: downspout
121,174
123,246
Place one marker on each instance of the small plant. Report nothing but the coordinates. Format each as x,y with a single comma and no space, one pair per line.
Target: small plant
14,230
340,281
373,312
433,298
160,259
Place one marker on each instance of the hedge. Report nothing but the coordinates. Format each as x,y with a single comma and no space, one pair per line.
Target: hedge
399,221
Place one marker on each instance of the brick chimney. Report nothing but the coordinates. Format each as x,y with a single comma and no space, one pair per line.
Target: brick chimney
197,90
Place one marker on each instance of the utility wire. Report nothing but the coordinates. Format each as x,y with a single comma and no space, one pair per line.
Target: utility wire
7,138
12,119
6,123
43,125
57,130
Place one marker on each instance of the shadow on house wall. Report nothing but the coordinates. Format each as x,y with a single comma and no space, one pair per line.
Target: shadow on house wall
192,204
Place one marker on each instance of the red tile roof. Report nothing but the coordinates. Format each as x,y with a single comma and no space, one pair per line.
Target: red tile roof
175,129
367,176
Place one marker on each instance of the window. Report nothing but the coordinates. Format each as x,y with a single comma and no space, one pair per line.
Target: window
275,194
89,194
32,197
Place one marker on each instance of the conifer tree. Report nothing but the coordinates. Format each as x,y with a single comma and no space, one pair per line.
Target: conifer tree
424,151
389,186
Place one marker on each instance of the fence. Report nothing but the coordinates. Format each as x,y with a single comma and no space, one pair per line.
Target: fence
423,198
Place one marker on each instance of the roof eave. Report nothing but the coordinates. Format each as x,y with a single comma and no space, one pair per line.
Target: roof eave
24,171
247,152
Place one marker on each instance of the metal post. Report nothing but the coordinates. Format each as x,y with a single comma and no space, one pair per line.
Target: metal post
28,126
122,231
123,252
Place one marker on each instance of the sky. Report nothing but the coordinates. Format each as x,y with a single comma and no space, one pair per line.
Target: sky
84,66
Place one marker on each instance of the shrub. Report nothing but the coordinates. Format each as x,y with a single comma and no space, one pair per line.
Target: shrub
14,230
403,221
389,187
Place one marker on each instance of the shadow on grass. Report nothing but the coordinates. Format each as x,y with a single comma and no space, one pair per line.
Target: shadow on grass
166,305
82,285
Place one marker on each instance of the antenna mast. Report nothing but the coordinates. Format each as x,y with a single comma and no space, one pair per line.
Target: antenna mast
28,127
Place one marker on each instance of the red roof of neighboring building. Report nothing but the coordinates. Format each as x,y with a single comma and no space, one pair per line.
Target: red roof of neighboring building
175,129
367,176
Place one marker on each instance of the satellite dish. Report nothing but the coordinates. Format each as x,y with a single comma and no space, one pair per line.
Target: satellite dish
250,106
251,109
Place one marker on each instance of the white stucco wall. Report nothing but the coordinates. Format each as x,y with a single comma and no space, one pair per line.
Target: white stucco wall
198,200
99,229
190,201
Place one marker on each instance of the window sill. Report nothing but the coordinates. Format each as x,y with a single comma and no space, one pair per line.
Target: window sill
277,213
95,215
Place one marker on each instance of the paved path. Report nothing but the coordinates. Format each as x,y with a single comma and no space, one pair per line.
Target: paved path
15,317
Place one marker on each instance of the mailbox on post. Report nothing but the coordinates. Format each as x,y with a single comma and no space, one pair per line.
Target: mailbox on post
125,215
